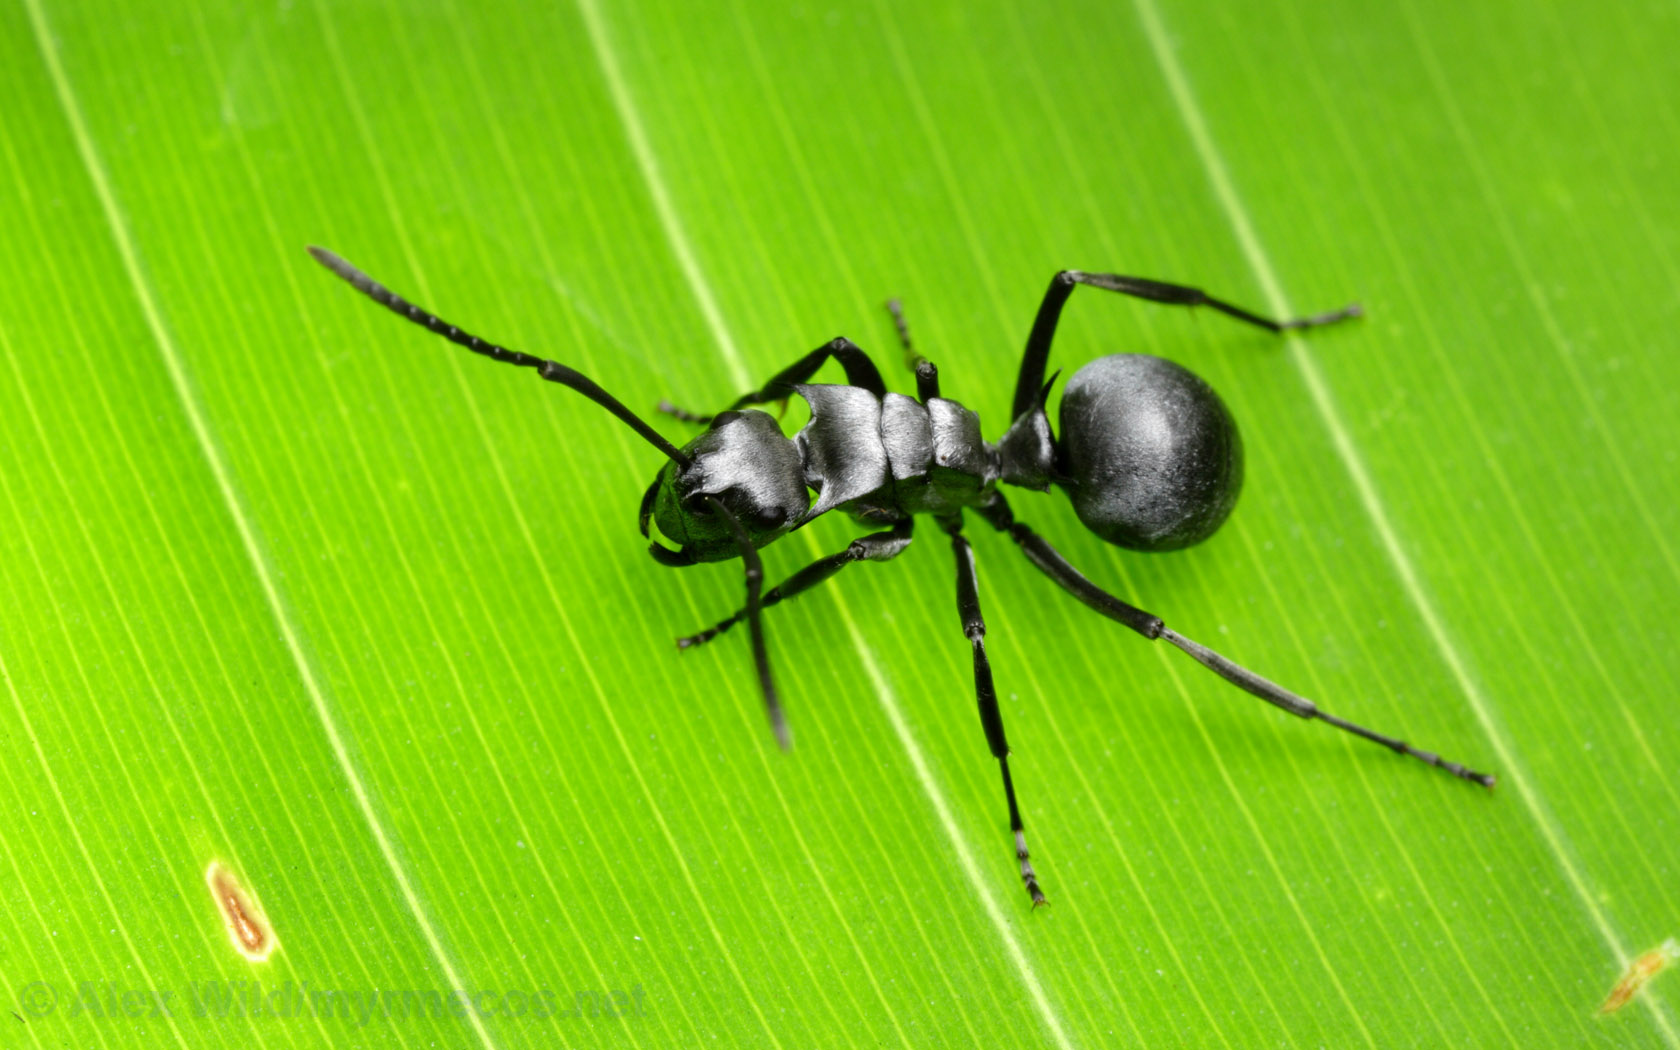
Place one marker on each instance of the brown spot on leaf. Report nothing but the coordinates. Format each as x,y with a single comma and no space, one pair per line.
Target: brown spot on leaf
1639,973
248,928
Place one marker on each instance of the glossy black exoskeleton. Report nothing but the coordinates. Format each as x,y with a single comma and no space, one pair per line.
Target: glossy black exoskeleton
1148,453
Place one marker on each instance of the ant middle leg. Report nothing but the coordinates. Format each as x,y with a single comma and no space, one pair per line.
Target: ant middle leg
860,371
927,373
877,546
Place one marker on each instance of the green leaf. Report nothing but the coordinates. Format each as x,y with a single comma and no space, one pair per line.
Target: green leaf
293,587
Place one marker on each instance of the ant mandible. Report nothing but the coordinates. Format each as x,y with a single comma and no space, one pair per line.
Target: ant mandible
1148,453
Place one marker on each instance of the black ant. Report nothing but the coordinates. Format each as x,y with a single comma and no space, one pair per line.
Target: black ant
1149,455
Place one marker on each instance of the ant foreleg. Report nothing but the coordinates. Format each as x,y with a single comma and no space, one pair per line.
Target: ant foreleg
1053,565
927,373
761,653
991,719
1037,354
877,546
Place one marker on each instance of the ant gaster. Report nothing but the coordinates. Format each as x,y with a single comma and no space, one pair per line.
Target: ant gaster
1148,453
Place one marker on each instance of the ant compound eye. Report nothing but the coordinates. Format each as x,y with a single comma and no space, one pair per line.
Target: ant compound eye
694,505
1153,453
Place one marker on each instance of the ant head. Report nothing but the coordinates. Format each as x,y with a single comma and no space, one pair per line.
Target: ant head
746,463
1149,453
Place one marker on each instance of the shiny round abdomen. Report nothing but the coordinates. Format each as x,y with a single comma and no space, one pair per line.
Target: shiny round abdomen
1153,453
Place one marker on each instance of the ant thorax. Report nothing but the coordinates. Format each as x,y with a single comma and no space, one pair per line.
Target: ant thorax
887,457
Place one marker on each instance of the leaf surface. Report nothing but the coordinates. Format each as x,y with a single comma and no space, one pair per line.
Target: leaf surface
294,587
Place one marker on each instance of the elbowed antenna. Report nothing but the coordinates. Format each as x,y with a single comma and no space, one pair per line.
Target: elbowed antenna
552,371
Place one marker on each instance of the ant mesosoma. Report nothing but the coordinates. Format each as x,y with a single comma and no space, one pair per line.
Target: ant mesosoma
1148,453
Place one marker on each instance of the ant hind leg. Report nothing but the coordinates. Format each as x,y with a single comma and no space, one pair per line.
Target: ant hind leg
1037,355
1050,562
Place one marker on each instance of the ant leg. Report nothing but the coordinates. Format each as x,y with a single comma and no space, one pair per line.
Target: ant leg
683,414
974,626
927,373
860,371
761,655
1053,565
877,546
1037,354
